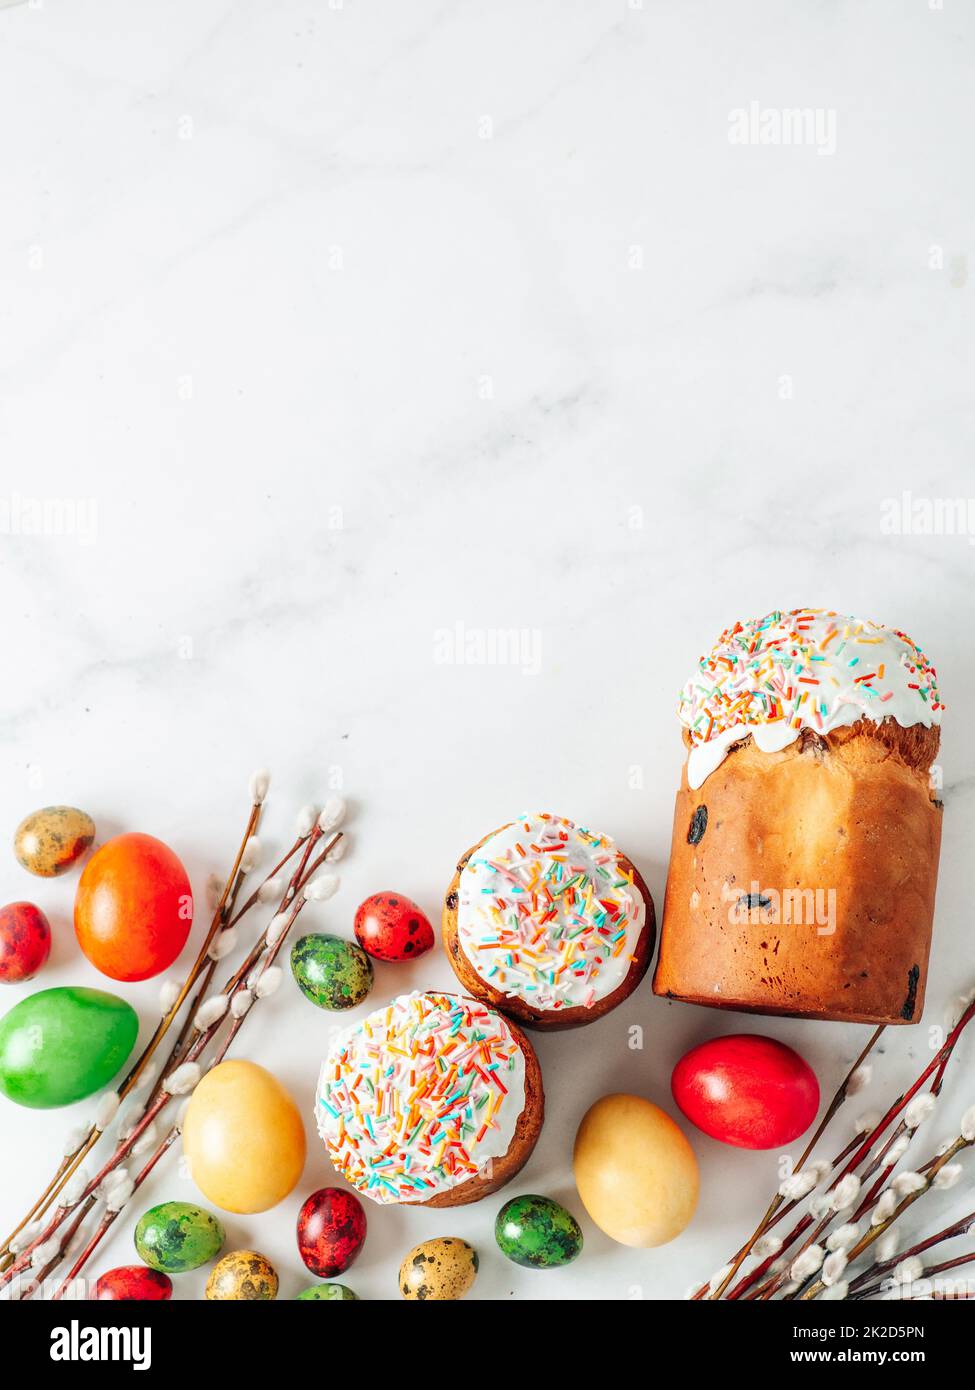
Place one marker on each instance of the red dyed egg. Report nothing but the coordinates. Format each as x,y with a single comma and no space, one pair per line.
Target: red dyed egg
392,927
25,942
134,908
747,1090
331,1230
134,1283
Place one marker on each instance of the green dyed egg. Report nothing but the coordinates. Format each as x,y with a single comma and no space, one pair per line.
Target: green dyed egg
537,1233
332,973
332,1293
177,1236
63,1044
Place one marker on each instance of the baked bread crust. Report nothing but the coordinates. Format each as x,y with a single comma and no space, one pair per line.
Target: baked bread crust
851,813
499,1171
550,1020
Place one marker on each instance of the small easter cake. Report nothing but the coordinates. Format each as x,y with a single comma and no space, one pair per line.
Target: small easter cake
549,922
434,1100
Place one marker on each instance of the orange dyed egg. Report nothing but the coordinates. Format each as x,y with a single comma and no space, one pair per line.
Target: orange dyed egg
134,908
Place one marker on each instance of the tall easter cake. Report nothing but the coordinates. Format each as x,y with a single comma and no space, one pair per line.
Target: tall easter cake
807,828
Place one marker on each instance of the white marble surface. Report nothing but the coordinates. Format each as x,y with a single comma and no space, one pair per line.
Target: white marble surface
348,323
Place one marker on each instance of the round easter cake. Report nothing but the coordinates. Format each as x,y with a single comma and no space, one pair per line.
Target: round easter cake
434,1100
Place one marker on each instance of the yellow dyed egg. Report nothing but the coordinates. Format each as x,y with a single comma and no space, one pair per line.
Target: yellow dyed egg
636,1173
243,1275
243,1137
438,1270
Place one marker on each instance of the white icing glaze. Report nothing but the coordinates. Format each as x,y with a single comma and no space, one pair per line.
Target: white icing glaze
811,668
705,757
545,914
420,1095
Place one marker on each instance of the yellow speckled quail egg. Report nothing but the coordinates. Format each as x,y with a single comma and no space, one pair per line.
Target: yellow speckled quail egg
243,1275
438,1270
49,841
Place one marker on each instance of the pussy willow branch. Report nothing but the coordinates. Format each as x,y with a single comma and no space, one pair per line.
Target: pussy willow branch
937,1065
930,1273
768,1220
768,1290
161,1098
883,1173
877,1271
929,1169
292,903
71,1161
237,983
745,1288
877,1231
861,1151
105,1224
202,988
231,918
748,1280
223,910
867,1203
73,1226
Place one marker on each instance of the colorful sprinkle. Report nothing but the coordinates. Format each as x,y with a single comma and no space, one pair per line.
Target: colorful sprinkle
547,913
435,1108
756,673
